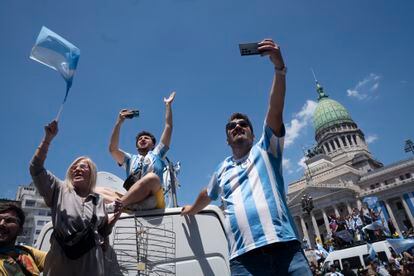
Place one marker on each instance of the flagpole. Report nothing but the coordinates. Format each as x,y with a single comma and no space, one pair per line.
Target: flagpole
59,112
68,85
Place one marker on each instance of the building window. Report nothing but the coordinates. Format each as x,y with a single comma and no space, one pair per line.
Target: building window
407,175
372,186
40,222
401,177
30,203
37,232
43,213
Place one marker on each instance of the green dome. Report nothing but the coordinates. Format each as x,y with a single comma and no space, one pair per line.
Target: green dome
329,112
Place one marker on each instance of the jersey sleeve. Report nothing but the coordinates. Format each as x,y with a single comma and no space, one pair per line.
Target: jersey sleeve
127,159
271,143
161,150
213,187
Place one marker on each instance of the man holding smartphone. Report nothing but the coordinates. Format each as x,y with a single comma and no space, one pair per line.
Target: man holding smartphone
259,228
145,169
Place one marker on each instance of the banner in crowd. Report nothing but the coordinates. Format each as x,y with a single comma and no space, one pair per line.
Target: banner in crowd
371,251
409,199
371,201
401,245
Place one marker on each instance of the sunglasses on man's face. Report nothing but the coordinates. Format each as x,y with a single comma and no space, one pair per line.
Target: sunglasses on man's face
232,125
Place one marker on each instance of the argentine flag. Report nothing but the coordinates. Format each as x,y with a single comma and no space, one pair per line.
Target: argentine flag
372,253
372,202
401,245
57,53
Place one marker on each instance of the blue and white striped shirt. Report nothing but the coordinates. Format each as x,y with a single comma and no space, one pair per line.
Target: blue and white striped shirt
253,194
151,162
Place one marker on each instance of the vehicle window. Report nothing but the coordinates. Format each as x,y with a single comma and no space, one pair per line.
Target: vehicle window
336,263
382,256
355,262
326,266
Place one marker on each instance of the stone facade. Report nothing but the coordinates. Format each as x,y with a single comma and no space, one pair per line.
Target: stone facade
341,171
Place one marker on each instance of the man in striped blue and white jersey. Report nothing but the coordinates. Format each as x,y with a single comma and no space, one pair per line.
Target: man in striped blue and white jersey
145,169
260,230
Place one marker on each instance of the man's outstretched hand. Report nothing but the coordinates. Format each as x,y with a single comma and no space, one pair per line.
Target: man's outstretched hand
170,99
268,47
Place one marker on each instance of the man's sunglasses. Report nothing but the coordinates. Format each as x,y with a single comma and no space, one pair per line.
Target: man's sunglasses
232,125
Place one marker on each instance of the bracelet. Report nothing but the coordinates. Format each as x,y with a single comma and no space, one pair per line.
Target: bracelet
281,71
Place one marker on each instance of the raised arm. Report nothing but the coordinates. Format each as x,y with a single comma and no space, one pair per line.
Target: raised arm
43,180
166,134
116,153
51,131
201,202
274,117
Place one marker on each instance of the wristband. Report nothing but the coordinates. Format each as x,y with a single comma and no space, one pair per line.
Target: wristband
281,71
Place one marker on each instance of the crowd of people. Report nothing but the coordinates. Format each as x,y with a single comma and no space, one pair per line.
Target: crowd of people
363,224
398,265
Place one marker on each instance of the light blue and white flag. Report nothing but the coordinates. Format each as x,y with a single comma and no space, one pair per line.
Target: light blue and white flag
371,251
57,53
401,245
372,202
322,250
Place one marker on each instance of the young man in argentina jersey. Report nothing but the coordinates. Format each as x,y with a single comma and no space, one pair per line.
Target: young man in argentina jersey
260,230
147,166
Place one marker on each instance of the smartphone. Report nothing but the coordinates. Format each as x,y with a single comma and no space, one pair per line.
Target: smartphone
247,49
134,113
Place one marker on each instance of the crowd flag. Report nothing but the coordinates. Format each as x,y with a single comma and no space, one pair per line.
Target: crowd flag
401,245
371,251
372,202
59,54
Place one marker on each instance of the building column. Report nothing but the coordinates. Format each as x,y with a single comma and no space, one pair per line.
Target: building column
325,219
407,210
392,217
359,204
349,208
325,148
304,230
315,226
328,147
341,143
337,214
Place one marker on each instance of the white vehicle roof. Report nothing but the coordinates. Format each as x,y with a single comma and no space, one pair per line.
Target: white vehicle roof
162,242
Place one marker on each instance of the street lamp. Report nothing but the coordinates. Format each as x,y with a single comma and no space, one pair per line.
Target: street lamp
307,203
409,146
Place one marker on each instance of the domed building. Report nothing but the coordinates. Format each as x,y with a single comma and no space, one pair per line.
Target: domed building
341,171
